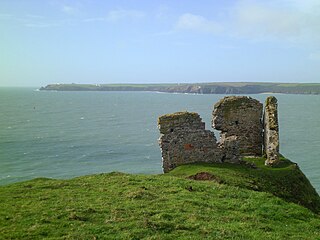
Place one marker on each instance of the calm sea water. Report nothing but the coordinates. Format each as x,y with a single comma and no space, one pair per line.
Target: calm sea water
67,134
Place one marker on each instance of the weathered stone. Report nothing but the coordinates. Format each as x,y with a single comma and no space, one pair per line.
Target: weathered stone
271,131
240,116
184,140
180,121
230,150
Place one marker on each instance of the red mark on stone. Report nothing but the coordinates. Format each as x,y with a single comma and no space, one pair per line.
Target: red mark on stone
188,146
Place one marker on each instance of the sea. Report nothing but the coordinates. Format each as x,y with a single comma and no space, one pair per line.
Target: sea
67,134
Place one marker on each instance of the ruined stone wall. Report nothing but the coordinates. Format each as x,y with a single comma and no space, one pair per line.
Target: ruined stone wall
271,131
240,116
230,150
184,140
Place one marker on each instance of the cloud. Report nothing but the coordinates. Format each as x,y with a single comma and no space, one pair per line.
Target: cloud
197,23
27,20
116,15
314,56
5,15
41,25
70,10
263,21
283,20
95,19
305,5
32,16
294,22
162,12
164,33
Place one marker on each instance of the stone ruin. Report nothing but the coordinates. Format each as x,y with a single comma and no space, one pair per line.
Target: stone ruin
245,131
184,140
241,117
271,131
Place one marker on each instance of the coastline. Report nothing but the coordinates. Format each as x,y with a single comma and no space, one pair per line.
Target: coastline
197,88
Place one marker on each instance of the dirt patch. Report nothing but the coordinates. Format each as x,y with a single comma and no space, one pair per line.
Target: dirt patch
205,176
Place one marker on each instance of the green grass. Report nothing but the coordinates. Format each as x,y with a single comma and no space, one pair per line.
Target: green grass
285,181
167,206
299,84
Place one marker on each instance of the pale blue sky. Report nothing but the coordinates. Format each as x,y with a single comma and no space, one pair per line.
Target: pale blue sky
143,41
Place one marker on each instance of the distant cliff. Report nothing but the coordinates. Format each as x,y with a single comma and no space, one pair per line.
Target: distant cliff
197,88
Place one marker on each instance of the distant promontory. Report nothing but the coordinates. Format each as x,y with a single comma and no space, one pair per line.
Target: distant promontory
197,88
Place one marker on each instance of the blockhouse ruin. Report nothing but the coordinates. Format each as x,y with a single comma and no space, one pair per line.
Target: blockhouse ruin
246,130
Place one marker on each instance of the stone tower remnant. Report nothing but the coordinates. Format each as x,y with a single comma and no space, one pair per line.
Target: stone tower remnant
271,131
240,116
184,140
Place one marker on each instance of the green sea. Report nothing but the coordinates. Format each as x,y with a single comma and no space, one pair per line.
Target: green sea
67,134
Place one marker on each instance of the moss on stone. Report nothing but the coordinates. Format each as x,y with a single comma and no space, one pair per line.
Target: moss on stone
177,115
271,106
230,103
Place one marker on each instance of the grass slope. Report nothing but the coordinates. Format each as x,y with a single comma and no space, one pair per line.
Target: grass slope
168,206
286,180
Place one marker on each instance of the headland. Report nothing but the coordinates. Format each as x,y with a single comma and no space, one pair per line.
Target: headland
196,88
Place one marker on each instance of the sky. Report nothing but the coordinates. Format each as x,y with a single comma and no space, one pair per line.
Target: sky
173,41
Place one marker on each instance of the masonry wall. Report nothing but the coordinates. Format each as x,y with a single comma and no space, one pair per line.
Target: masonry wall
184,140
240,116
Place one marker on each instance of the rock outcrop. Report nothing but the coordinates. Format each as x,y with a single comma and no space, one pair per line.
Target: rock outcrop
240,116
271,131
184,140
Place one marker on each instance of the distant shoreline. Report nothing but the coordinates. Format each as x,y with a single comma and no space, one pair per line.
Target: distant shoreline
196,88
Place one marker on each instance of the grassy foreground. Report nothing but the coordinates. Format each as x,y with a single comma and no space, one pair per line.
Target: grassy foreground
238,203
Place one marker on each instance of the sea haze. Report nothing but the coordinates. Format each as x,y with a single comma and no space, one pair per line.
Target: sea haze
67,134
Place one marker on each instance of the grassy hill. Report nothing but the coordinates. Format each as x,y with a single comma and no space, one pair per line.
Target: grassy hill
236,202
